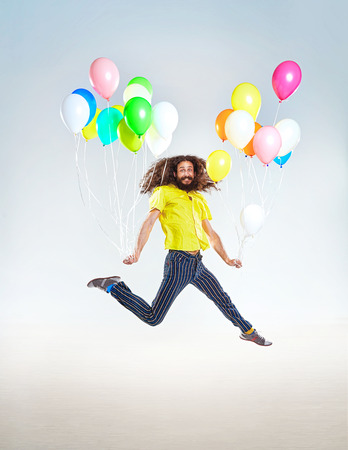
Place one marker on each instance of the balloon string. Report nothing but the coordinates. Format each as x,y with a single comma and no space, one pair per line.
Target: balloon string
230,213
107,179
275,118
134,193
86,174
92,194
124,195
276,194
77,144
115,187
256,181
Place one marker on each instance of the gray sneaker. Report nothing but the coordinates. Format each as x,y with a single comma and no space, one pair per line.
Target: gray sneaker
255,337
103,283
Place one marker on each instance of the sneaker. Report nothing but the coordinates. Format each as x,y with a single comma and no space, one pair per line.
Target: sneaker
103,283
255,337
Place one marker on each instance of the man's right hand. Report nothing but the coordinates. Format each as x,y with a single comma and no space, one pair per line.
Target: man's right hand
131,259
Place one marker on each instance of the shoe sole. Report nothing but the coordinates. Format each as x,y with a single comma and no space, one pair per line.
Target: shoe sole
90,284
254,342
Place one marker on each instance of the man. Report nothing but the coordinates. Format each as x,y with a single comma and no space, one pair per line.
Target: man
175,184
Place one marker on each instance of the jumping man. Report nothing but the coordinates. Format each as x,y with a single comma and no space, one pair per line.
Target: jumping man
175,184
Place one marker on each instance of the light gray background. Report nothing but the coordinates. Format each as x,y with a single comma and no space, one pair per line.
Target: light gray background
79,371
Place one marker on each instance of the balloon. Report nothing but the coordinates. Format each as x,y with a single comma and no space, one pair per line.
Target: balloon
286,79
165,119
138,115
249,148
119,107
107,123
267,142
218,165
104,77
89,97
157,144
252,219
220,123
290,133
128,138
74,112
239,128
281,160
136,90
247,97
90,131
143,81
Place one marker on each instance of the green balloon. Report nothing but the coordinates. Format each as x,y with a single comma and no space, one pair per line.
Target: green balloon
143,81
107,123
138,115
128,138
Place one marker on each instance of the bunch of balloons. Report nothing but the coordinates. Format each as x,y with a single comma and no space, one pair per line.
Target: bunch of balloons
132,123
239,126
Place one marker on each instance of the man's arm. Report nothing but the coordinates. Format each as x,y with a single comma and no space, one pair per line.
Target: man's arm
143,236
216,243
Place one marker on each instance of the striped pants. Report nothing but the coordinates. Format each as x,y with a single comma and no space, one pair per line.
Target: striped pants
180,269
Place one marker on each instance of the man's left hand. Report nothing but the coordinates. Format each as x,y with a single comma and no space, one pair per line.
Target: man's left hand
234,262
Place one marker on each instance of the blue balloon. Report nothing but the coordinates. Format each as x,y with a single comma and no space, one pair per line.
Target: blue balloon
281,160
89,97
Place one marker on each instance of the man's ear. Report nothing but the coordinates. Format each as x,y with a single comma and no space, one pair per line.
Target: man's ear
174,173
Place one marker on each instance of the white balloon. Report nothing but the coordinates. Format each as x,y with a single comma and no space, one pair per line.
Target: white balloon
136,90
252,219
157,144
165,119
290,133
74,112
239,128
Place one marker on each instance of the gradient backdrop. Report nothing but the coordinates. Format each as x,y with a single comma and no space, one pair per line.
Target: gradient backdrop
80,372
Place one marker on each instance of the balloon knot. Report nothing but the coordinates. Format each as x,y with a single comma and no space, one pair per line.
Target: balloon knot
281,166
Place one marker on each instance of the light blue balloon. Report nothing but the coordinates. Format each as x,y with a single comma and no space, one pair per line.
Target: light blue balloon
107,123
281,160
89,97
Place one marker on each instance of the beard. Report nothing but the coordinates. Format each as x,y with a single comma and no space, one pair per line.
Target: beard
186,187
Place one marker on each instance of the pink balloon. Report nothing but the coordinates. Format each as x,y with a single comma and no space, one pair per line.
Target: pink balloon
286,79
104,77
267,143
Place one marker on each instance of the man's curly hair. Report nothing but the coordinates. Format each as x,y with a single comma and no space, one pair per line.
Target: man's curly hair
161,173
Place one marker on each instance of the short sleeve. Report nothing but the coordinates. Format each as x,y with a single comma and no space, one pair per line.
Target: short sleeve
157,200
206,214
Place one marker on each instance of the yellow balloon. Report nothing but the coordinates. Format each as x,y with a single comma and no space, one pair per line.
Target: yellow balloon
218,165
246,96
119,107
90,131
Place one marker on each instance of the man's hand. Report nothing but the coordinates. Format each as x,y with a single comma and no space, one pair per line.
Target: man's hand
234,262
131,259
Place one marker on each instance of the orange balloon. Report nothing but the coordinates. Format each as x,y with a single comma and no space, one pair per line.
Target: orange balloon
249,149
220,123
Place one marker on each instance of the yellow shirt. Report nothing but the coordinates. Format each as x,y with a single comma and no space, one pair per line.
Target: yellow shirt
181,217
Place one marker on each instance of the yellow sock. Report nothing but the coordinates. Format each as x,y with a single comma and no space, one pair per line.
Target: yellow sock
250,331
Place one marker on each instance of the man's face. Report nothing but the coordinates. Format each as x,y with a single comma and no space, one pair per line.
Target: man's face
184,174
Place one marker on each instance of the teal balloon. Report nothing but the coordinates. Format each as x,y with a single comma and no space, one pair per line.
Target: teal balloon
281,160
138,115
107,124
